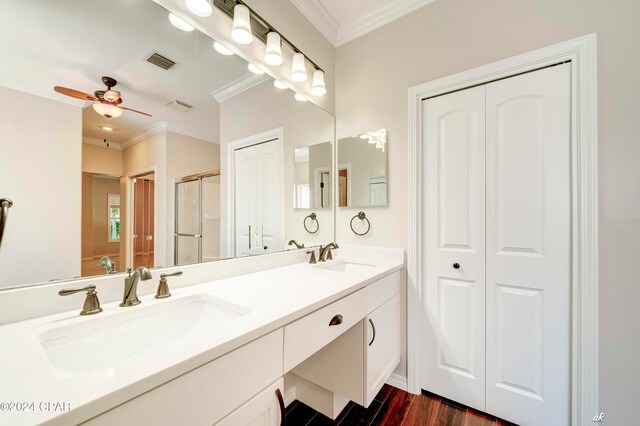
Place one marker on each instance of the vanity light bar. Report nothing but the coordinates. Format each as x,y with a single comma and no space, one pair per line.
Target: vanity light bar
262,29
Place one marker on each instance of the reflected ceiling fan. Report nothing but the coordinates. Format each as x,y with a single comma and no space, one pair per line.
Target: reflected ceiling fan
107,101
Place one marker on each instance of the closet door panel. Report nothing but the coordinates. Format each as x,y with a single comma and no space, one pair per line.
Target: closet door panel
528,196
454,223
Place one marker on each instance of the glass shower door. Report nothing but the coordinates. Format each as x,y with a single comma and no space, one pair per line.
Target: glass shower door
188,235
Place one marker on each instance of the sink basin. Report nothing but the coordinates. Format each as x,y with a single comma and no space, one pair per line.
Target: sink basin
89,345
346,266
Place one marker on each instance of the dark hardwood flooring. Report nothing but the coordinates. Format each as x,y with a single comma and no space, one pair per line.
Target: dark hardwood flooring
394,407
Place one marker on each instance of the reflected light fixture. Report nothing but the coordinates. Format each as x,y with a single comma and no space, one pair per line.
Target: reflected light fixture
255,69
199,7
111,95
222,49
108,110
180,23
241,30
300,98
273,52
298,68
279,85
318,87
107,128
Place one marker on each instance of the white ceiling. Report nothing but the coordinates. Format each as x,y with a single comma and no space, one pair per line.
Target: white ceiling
341,21
73,43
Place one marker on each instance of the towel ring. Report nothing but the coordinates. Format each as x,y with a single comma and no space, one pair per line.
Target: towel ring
360,216
313,218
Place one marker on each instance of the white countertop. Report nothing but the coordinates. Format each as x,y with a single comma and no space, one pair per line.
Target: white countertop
275,297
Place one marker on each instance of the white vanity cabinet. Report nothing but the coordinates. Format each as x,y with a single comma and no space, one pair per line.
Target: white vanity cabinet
356,364
264,409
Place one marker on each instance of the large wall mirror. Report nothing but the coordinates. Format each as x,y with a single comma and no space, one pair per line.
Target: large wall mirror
198,162
362,170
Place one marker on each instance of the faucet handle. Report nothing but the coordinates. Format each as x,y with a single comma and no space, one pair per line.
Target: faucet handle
312,259
129,270
163,285
91,303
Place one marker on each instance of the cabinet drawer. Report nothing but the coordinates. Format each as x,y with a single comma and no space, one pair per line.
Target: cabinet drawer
307,335
378,292
205,395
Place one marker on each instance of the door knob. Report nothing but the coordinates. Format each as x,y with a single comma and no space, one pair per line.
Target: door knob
456,265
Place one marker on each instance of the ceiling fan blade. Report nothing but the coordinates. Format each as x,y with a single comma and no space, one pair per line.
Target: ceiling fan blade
133,110
75,93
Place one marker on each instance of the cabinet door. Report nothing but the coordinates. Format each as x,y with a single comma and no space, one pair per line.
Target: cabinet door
264,409
382,355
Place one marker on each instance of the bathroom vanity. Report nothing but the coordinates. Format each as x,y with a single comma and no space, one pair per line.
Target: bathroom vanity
215,352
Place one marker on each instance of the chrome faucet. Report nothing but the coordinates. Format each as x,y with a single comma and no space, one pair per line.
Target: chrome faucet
108,264
130,297
295,243
325,252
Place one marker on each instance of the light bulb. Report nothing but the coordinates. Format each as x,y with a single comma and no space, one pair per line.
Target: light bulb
241,30
300,98
222,49
273,52
298,69
199,7
254,69
279,85
107,110
111,95
180,23
318,87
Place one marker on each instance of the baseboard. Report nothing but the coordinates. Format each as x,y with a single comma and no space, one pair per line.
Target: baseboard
397,381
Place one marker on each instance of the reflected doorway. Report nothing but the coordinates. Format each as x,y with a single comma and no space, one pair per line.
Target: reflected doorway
143,220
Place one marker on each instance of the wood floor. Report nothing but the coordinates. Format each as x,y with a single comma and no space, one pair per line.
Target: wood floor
394,407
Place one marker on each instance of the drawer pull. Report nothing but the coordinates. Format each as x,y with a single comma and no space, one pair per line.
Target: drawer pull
336,320
281,404
373,327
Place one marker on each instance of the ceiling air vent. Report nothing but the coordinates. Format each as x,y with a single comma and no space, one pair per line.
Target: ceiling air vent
161,61
177,105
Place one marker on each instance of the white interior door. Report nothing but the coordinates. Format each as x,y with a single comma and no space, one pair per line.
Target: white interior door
528,247
453,344
257,199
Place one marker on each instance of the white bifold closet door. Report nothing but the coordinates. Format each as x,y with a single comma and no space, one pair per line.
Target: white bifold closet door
497,191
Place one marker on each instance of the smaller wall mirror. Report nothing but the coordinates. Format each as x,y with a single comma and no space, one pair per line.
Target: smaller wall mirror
362,170
312,176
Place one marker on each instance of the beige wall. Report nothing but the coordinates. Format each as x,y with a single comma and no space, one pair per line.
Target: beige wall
264,108
449,36
42,239
101,160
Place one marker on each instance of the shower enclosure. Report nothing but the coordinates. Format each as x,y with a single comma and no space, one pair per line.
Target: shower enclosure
197,219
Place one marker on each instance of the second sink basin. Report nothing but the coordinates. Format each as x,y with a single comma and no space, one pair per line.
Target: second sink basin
346,266
89,345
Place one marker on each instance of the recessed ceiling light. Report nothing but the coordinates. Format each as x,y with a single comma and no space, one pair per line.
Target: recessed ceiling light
180,23
280,85
107,128
221,49
199,7
254,69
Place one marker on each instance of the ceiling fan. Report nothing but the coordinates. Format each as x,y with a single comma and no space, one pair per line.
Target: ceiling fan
107,101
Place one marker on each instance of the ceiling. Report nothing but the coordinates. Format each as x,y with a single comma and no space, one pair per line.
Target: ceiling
342,21
72,43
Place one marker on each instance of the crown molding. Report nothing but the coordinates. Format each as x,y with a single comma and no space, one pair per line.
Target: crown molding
192,134
316,13
101,144
145,134
238,86
338,35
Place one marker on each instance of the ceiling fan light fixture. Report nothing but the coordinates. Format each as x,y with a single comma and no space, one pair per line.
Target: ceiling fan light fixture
318,88
111,95
298,69
179,23
199,7
107,110
241,30
221,49
273,52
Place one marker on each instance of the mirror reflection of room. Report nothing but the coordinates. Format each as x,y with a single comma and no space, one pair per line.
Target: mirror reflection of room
362,170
